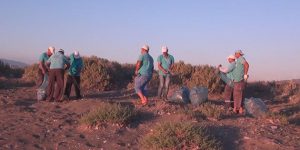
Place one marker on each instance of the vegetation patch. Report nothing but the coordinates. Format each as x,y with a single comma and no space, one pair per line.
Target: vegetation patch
172,135
278,118
109,113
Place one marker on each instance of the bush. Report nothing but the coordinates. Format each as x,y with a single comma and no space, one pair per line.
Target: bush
108,113
278,118
211,110
9,72
172,135
31,73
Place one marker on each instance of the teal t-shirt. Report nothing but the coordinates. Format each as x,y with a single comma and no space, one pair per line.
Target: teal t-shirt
231,67
43,58
238,72
165,62
76,65
58,61
147,64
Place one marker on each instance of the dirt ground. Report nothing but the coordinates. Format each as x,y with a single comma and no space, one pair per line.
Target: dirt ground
28,124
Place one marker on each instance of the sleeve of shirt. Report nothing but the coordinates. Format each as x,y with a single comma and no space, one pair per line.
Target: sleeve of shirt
41,58
159,59
141,58
242,60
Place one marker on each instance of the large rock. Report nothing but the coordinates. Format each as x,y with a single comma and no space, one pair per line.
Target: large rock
198,95
255,107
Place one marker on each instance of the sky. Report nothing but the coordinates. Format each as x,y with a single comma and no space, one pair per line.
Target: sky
195,31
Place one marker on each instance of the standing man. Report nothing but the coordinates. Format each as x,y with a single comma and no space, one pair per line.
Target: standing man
74,75
165,63
143,72
42,64
240,76
58,64
226,75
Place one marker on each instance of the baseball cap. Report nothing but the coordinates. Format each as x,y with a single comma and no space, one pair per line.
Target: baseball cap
145,47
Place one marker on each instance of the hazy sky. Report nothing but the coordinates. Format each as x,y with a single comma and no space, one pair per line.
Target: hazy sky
197,32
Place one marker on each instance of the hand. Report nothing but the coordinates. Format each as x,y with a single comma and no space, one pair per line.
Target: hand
136,72
44,71
246,77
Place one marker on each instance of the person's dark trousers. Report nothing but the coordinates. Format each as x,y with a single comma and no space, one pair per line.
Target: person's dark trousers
70,81
228,94
55,76
163,89
40,78
238,94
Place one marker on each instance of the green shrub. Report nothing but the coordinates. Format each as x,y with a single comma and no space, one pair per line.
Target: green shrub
108,113
172,135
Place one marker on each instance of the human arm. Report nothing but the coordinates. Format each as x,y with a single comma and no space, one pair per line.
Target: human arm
138,67
246,68
161,68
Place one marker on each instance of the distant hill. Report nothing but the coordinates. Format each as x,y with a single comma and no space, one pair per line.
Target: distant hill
14,64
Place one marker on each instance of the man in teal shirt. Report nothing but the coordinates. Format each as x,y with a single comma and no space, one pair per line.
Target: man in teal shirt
240,76
227,76
42,64
143,72
165,63
74,75
58,64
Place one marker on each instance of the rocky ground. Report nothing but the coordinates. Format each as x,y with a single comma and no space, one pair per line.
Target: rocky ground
28,124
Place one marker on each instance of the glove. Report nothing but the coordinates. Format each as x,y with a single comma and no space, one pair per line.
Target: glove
246,77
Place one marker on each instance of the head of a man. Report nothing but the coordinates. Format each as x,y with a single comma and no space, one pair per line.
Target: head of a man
61,51
165,50
145,49
76,55
231,58
50,51
238,53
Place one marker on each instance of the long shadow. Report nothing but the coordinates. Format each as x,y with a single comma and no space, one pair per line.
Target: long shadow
26,104
295,121
112,95
290,110
227,135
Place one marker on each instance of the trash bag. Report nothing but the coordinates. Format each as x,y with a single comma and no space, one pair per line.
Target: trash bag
226,79
41,91
198,95
181,95
255,107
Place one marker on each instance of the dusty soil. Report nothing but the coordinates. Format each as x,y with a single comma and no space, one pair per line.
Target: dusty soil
28,124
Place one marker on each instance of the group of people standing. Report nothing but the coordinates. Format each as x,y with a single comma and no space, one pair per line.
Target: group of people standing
54,64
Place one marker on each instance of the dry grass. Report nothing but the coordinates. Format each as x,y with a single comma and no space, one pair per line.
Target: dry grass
173,135
108,113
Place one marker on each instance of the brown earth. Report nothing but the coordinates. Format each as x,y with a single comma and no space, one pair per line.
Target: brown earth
28,124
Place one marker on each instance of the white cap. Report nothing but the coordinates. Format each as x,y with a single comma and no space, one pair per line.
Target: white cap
145,47
76,54
51,49
164,49
231,57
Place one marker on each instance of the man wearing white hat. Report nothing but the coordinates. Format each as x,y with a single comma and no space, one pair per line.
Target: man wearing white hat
240,76
76,65
143,71
42,64
226,75
165,63
57,64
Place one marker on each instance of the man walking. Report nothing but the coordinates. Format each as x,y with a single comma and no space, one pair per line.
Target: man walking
76,65
58,64
165,63
42,64
143,72
240,76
